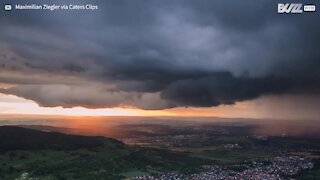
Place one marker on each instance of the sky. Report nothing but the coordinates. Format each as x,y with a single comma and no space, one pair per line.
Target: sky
154,58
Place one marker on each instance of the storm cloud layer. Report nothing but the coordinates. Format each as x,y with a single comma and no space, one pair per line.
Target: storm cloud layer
158,54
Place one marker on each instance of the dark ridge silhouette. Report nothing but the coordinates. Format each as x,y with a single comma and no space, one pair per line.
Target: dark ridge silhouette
19,138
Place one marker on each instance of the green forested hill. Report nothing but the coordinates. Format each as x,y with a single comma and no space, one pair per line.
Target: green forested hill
47,155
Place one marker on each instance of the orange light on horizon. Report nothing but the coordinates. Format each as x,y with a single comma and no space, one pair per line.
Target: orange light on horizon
261,108
14,105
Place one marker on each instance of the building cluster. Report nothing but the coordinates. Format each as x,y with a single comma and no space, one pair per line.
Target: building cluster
277,168
232,146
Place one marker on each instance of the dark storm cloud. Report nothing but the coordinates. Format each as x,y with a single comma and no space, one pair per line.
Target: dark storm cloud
179,53
221,88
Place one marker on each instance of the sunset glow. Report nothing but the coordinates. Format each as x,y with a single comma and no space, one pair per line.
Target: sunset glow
16,105
261,108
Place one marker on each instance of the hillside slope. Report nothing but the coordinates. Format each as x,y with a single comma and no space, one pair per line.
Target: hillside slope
50,155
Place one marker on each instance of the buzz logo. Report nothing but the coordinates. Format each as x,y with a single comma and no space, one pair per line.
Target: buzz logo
290,8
